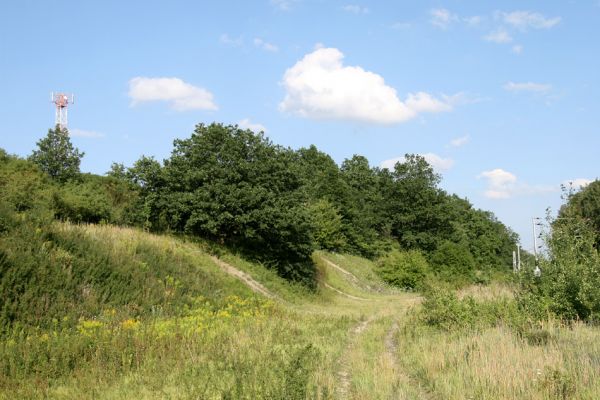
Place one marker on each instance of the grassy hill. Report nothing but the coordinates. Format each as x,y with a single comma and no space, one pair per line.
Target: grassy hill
132,314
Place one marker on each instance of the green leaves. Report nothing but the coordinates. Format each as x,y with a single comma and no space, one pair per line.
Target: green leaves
56,155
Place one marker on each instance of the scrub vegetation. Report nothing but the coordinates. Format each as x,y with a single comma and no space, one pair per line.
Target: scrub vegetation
372,284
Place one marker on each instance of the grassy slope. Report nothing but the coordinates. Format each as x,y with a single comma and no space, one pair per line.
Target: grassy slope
231,343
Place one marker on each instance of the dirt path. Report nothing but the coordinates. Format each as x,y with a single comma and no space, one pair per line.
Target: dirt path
244,277
411,387
348,274
328,286
344,377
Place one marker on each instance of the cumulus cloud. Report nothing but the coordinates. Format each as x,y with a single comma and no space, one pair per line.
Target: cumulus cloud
459,141
247,124
526,19
528,87
355,9
320,86
577,183
442,18
501,183
180,95
504,185
85,133
258,42
498,36
440,164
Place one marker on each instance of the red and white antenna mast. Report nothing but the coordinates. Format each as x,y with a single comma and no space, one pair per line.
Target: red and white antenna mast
61,101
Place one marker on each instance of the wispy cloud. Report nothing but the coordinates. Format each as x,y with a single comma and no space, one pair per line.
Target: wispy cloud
355,9
285,5
460,141
400,25
528,87
505,185
231,41
180,95
498,36
75,132
258,42
247,124
524,20
517,49
442,17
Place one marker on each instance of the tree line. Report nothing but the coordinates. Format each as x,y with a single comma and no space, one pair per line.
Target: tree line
278,205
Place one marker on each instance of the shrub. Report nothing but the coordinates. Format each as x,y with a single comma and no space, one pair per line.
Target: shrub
404,269
444,310
453,262
569,285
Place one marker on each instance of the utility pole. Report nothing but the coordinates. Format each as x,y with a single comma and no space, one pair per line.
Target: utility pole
518,257
514,261
537,271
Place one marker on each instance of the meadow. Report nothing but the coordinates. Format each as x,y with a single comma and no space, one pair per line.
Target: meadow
354,337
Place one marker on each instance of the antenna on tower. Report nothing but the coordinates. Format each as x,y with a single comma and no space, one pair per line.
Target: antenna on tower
61,101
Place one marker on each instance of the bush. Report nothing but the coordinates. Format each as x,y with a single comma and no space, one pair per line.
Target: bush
444,310
569,285
404,269
453,262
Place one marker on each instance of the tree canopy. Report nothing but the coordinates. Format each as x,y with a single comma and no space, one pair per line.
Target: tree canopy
57,156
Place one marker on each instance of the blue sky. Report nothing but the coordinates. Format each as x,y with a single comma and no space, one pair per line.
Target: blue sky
500,96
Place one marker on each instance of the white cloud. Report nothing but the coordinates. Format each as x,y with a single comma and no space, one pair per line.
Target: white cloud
501,183
475,20
459,141
504,185
247,124
258,42
526,19
182,96
355,9
320,87
442,18
528,87
498,36
517,49
438,163
284,5
85,134
235,42
577,183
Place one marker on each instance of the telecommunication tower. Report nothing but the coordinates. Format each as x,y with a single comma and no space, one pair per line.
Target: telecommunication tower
61,101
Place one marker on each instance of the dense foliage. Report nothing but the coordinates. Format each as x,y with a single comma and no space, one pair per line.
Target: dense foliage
569,285
585,204
57,156
273,204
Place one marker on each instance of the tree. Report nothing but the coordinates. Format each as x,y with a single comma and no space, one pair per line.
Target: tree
237,188
585,204
57,156
417,207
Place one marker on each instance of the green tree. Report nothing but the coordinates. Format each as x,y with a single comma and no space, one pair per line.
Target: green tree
57,156
418,209
585,204
328,226
237,188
